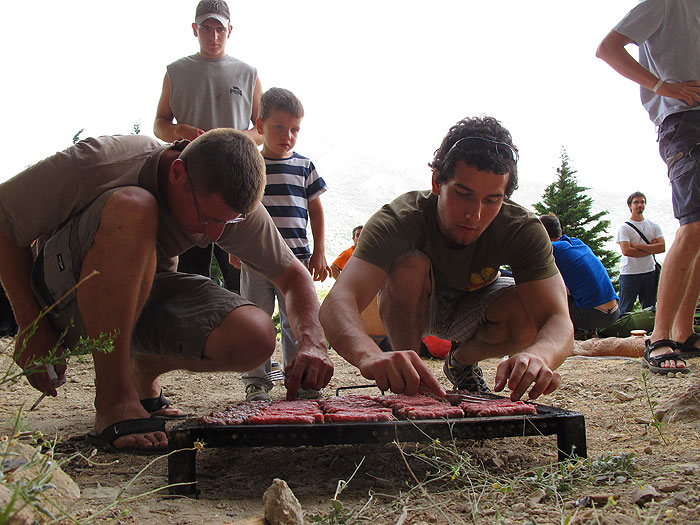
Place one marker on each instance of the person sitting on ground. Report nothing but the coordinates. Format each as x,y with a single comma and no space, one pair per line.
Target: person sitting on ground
593,303
435,256
293,193
125,207
342,259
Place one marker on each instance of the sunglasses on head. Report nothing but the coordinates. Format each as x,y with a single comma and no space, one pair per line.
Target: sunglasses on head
507,147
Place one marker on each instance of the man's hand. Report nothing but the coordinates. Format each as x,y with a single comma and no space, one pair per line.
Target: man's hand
318,267
401,372
234,261
310,369
688,92
520,371
37,348
188,132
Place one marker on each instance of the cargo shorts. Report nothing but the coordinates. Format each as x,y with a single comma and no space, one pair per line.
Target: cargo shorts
679,146
456,315
177,318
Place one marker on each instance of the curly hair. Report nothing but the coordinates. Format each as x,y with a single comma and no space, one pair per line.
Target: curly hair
478,141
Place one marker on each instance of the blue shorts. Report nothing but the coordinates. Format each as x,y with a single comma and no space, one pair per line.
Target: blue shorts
679,145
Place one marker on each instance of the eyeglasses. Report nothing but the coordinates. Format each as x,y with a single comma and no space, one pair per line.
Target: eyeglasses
508,147
204,219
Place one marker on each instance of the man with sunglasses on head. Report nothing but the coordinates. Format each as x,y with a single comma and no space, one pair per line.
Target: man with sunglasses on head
208,90
115,212
434,258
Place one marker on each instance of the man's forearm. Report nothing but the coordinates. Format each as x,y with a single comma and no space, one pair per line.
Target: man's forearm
302,309
165,130
612,50
341,321
554,341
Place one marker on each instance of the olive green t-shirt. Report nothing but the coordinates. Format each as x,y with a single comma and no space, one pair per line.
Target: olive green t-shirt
515,238
44,196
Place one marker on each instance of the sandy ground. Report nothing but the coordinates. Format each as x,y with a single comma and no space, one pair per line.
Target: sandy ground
610,393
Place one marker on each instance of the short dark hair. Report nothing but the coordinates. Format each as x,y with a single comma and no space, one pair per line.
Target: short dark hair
552,225
355,229
634,196
227,163
478,141
279,99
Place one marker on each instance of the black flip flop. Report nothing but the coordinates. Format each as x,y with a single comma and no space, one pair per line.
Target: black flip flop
687,348
106,438
654,363
154,404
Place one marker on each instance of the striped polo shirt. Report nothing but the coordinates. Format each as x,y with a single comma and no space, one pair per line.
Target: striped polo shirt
291,184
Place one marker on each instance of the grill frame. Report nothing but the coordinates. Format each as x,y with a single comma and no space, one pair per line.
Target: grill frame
568,426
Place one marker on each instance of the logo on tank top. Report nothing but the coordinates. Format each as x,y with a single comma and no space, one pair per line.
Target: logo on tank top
235,90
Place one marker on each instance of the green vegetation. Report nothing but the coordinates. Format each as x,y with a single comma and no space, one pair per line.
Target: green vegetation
565,198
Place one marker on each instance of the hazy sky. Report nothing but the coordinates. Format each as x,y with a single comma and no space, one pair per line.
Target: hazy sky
381,81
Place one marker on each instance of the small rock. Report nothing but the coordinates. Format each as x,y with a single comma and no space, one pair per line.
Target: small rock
689,469
494,461
536,497
645,495
670,487
519,507
622,396
648,450
281,506
600,500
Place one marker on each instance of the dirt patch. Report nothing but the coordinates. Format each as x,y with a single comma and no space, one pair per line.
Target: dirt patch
513,480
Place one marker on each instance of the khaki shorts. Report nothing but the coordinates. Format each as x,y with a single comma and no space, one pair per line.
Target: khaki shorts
180,312
456,315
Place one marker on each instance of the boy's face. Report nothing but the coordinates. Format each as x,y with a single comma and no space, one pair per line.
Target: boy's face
279,134
212,38
468,202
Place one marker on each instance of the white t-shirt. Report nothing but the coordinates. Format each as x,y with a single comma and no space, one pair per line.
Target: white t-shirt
635,265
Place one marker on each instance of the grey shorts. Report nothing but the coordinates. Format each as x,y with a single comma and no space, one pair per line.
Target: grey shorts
679,145
456,315
180,312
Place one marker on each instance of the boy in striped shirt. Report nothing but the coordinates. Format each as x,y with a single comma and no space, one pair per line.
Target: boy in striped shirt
292,197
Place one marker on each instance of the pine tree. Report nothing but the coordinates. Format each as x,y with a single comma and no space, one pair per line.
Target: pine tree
567,200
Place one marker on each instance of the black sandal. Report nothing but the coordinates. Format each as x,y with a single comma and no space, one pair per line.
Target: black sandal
654,363
154,404
687,348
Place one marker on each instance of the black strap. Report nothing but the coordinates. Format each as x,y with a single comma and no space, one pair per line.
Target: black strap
642,236
638,231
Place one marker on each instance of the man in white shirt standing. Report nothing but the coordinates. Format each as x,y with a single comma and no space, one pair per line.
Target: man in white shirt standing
638,266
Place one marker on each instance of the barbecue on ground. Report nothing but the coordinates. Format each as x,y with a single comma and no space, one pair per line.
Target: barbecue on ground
513,480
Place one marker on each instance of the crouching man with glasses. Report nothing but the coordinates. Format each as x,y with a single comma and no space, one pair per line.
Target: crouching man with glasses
434,256
126,207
